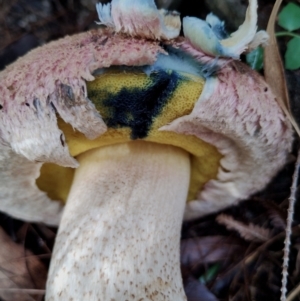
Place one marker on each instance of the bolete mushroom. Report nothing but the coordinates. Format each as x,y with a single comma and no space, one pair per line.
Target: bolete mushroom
181,120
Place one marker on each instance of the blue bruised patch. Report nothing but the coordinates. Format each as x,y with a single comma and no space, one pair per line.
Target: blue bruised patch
137,107
180,61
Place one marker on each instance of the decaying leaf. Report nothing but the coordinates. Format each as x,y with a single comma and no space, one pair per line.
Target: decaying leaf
273,68
208,249
22,275
194,288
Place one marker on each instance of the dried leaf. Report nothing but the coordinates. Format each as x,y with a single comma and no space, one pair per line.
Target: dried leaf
274,71
208,249
196,291
249,232
19,269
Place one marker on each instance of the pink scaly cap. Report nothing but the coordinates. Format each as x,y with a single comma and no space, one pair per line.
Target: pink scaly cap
51,81
236,112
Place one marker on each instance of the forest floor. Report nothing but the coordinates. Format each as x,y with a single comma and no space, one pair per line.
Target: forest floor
233,255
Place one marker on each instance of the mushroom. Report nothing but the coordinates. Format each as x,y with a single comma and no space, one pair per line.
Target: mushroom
125,124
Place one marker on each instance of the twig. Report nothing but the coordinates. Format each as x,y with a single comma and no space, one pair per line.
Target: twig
288,231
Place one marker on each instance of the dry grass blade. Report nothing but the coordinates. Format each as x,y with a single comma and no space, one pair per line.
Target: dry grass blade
293,294
273,68
249,232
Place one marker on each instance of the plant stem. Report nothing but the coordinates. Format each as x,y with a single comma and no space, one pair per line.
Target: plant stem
287,34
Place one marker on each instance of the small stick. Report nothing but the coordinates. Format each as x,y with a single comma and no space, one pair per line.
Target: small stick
288,231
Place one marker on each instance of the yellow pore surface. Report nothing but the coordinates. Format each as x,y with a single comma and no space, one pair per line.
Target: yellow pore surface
57,180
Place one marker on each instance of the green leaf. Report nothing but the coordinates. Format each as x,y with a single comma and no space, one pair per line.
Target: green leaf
292,55
255,58
289,17
210,273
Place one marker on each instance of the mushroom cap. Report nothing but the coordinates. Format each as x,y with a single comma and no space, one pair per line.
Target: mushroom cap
236,114
135,105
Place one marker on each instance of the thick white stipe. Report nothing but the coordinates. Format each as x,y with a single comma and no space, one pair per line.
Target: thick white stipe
119,235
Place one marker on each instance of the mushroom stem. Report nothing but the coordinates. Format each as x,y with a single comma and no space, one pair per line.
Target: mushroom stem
120,232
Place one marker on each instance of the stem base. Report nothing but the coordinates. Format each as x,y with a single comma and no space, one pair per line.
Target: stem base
120,232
